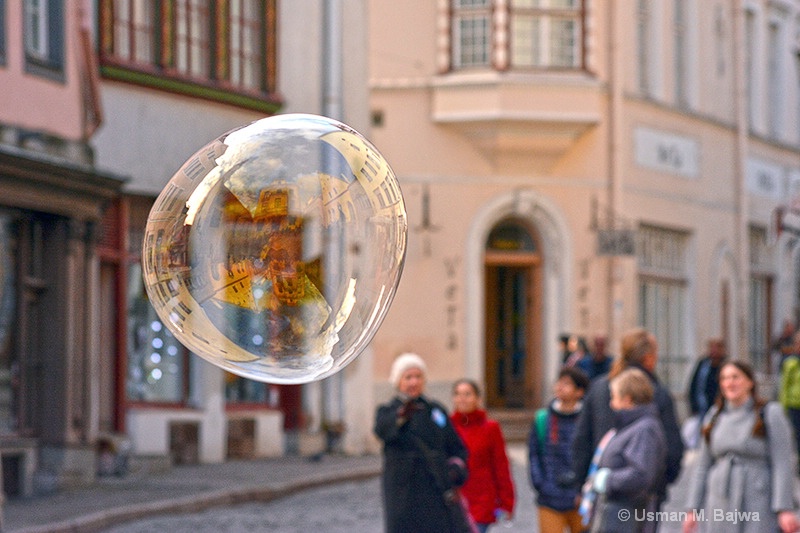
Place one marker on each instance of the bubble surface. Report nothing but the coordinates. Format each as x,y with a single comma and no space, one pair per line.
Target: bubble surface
276,250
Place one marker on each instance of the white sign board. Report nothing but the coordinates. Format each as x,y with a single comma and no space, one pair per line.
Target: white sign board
666,152
764,178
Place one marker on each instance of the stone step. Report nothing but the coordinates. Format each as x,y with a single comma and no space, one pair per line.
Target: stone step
515,423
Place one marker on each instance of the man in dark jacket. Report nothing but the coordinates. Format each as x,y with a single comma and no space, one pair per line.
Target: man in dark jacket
704,386
639,349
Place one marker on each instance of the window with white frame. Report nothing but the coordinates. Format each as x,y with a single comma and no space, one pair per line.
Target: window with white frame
663,280
219,50
535,34
471,28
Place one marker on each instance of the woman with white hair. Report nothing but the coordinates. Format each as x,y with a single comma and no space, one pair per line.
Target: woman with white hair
424,460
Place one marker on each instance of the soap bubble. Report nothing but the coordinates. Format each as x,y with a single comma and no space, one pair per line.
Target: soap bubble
276,250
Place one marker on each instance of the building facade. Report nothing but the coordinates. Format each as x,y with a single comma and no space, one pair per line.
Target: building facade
587,167
175,76
51,208
91,382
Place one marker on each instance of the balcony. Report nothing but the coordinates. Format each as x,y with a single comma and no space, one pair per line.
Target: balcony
505,115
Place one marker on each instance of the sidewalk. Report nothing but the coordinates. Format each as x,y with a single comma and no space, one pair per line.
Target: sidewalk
185,488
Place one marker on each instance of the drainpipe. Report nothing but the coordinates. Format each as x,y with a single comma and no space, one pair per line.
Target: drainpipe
741,233
614,185
332,57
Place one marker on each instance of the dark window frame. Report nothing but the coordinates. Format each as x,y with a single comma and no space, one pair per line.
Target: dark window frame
162,67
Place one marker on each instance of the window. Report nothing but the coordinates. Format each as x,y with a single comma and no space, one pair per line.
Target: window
662,299
156,360
219,50
43,34
546,33
471,33
540,34
9,366
760,301
157,369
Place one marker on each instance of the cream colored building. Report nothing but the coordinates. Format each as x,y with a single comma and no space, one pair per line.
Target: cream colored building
526,134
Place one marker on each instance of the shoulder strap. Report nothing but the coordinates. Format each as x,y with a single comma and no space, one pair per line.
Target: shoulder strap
541,427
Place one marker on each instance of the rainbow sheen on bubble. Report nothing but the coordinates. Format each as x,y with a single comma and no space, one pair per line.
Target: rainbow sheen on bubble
276,250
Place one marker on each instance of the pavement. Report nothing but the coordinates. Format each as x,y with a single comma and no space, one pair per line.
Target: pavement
113,500
189,489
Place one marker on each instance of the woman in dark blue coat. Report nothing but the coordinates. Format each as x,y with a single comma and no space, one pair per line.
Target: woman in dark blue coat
411,426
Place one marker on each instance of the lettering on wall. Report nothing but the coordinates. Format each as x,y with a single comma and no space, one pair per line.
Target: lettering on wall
451,302
764,178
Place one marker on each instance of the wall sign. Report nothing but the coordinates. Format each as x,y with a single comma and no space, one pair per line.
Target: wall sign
666,152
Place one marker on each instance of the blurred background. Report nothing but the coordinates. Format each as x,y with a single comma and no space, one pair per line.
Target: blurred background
569,167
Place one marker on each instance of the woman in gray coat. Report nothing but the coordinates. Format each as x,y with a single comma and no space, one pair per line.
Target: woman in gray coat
744,472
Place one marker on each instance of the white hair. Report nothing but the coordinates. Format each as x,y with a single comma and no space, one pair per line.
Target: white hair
403,363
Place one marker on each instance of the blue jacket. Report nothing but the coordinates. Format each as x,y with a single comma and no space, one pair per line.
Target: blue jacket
549,461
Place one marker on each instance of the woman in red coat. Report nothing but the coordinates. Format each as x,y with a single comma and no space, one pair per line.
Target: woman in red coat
489,488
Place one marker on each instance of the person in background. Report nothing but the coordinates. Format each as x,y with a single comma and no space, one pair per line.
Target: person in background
549,454
638,349
789,392
578,349
746,462
489,489
421,453
704,385
563,347
624,481
783,345
598,361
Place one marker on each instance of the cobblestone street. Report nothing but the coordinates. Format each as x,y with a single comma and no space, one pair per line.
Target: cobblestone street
351,507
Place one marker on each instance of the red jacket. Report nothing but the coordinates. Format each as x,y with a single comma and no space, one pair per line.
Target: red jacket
489,486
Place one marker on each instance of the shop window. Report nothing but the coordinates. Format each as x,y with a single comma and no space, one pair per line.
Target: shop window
9,369
157,362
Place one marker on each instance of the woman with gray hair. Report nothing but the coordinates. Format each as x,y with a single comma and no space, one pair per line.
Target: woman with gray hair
638,349
424,460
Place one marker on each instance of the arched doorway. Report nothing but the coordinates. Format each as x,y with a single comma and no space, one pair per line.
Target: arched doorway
513,321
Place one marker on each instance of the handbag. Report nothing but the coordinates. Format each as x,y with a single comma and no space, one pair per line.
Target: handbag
458,513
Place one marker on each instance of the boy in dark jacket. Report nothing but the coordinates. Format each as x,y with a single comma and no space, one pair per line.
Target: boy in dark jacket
549,454
622,487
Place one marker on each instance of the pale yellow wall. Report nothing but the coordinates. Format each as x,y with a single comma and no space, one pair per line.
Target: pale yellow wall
463,177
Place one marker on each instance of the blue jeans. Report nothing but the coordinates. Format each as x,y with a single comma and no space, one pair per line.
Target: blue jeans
483,528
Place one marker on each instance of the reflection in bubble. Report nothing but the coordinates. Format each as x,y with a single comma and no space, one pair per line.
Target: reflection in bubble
276,250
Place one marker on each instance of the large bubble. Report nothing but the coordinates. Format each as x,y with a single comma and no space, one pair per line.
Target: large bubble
276,250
